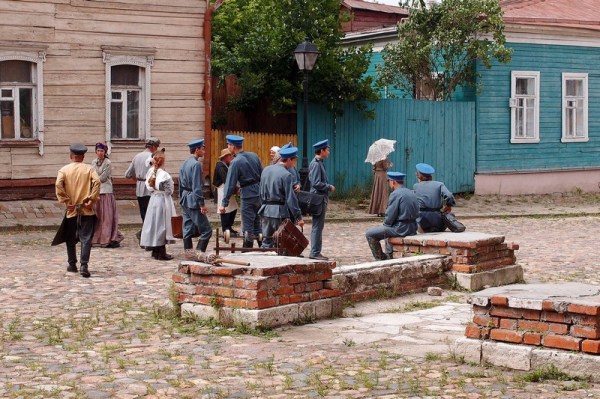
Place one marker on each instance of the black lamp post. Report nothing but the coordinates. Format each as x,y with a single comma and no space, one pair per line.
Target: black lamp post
306,56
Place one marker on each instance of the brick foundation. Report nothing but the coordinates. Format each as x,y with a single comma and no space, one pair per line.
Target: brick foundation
569,323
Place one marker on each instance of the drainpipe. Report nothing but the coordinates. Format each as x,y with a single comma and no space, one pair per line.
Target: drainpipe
208,84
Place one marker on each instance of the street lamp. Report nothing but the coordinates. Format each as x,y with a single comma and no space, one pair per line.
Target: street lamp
306,56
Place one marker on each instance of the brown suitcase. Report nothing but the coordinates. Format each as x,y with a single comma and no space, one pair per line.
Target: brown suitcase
177,226
289,239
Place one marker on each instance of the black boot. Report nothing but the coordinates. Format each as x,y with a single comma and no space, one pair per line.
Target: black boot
248,240
187,243
376,249
202,245
155,252
84,271
162,253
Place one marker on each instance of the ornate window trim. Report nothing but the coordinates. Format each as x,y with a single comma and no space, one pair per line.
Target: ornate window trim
35,54
141,57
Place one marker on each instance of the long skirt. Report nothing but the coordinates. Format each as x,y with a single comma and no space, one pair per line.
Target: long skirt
107,231
380,193
157,230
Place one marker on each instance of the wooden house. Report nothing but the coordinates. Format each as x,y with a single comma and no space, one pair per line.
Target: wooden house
98,71
367,16
537,122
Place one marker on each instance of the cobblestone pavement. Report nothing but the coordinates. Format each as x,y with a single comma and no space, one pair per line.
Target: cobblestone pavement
111,336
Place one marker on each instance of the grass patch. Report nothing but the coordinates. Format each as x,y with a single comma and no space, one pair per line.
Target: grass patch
549,373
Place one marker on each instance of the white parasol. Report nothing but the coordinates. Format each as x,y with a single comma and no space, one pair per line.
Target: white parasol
379,150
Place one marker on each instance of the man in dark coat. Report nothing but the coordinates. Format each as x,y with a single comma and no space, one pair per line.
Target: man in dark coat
319,184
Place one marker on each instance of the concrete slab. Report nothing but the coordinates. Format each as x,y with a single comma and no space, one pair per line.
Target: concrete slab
489,278
531,296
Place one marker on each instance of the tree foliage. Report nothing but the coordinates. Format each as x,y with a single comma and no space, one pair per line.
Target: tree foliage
438,47
255,41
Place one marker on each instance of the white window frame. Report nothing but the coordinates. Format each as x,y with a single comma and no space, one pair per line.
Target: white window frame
143,58
584,78
37,56
514,101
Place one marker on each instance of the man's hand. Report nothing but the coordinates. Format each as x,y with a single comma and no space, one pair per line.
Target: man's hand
203,210
300,223
332,188
71,207
296,188
87,204
221,209
447,209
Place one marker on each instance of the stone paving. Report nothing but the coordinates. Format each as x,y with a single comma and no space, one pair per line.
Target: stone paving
113,335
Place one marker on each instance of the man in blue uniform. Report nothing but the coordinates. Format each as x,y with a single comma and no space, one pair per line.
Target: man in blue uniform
319,184
191,199
277,196
245,170
400,217
433,196
293,170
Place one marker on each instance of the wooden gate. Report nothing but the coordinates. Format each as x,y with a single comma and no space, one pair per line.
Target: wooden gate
438,133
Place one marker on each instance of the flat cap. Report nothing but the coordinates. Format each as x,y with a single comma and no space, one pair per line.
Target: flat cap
196,143
288,153
425,169
77,149
224,153
153,142
234,140
321,144
396,176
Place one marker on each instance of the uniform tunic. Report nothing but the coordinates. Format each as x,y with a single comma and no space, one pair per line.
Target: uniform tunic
319,184
432,195
245,170
400,217
191,199
279,201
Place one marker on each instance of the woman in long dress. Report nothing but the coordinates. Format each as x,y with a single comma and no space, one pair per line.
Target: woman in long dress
157,231
106,232
380,193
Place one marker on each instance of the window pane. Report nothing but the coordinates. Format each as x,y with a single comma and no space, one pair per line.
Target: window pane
574,88
524,86
579,122
26,110
519,115
116,120
125,75
15,71
7,118
133,114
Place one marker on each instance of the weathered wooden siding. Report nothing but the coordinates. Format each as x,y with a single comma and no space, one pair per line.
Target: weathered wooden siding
74,75
439,133
495,153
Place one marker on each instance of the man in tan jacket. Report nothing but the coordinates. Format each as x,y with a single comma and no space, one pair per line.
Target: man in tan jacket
78,187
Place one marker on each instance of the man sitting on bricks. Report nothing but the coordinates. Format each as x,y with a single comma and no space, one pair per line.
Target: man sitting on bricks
400,217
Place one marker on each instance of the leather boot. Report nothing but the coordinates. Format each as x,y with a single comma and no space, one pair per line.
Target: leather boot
187,243
248,240
162,253
155,252
84,271
202,245
376,249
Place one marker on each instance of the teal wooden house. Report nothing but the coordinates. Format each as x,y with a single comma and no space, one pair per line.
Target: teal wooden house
537,119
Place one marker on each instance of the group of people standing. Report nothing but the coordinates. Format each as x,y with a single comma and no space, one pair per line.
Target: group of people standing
411,211
268,198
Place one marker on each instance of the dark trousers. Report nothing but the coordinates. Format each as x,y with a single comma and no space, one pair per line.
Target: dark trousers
143,204
85,232
250,217
227,220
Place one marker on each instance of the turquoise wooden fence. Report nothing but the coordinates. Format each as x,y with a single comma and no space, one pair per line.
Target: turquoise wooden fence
439,133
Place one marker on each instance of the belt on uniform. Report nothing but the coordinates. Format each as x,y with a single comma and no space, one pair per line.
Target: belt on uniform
407,220
429,209
185,189
138,179
273,202
242,185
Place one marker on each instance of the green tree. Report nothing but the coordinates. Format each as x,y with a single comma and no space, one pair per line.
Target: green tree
438,48
255,41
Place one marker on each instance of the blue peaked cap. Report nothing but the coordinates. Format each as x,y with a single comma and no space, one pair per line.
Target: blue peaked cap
196,143
234,140
425,169
321,144
396,176
288,145
288,153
